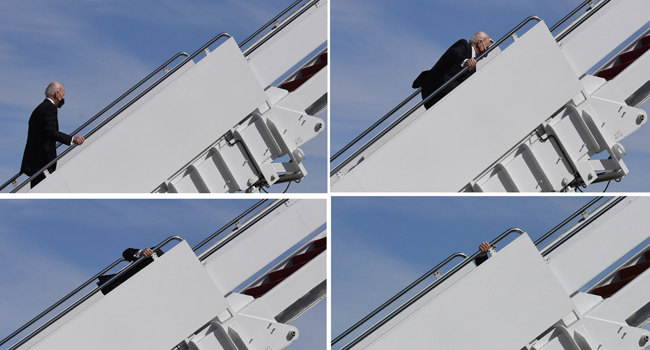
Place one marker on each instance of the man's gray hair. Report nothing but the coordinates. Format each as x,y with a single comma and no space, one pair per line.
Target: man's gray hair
52,88
478,37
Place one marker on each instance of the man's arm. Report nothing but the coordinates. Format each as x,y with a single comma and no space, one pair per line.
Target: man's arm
484,248
52,128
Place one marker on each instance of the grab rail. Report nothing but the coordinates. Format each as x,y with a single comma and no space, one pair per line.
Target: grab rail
397,296
423,292
111,105
233,221
78,302
250,50
414,108
241,230
546,251
567,220
582,20
129,104
558,24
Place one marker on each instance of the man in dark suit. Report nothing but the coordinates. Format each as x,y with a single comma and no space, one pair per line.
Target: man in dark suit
458,56
43,134
131,255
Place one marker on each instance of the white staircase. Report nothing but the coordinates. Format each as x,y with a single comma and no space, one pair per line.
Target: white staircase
214,124
536,123
192,301
523,297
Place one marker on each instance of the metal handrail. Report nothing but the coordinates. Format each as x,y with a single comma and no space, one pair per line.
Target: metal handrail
123,108
250,50
423,292
567,220
417,106
232,222
111,105
397,296
582,20
242,229
78,302
376,124
546,251
269,23
566,18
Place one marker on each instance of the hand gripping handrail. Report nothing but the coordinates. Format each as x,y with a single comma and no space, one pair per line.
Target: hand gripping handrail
414,108
232,222
567,220
397,296
241,230
123,108
78,302
423,292
546,251
111,105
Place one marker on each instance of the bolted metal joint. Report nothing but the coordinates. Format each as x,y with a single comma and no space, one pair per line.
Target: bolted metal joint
644,338
292,334
640,119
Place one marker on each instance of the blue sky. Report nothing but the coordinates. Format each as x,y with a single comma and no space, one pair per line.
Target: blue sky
99,49
382,244
380,47
49,247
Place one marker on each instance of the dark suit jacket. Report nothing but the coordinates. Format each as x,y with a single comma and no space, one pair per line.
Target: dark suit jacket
41,139
129,255
447,66
480,259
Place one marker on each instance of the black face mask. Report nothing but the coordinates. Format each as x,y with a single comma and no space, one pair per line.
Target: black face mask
61,102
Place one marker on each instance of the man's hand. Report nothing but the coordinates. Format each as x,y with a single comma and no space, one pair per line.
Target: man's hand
78,140
485,247
471,63
147,253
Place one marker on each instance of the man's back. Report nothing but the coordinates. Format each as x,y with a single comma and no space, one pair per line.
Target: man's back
41,138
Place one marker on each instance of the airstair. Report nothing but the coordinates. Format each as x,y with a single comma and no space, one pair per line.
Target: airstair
539,121
586,289
232,119
195,298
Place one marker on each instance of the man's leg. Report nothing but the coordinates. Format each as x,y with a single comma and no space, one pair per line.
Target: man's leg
37,179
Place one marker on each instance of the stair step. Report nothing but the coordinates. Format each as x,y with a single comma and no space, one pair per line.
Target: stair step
609,289
634,54
286,272
294,84
307,256
311,70
610,73
634,270
258,291
647,254
645,40
320,242
323,56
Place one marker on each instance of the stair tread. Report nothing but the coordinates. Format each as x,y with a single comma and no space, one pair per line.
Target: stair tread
262,289
313,69
634,54
645,40
320,242
294,84
286,272
307,256
612,72
612,288
634,270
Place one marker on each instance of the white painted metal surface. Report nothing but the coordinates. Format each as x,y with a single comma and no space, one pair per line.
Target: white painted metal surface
429,155
157,291
212,127
515,147
268,240
519,299
516,282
